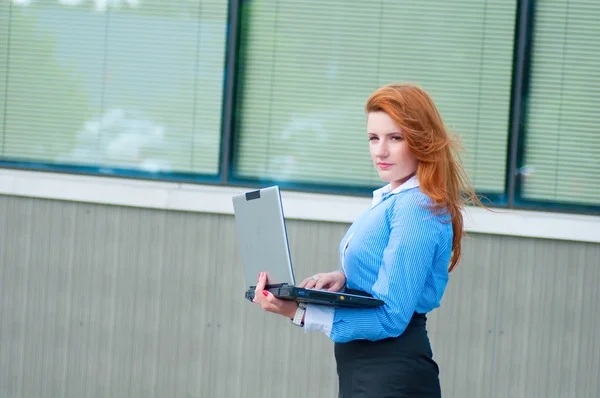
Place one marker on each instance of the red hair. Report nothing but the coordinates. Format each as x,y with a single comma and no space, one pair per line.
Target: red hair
440,172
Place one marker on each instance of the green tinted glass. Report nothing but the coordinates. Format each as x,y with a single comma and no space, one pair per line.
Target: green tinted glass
562,145
138,86
309,66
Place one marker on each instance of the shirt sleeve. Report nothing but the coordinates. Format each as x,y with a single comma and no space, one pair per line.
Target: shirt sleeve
407,262
318,318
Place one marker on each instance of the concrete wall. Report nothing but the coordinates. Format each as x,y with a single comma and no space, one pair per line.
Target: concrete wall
104,301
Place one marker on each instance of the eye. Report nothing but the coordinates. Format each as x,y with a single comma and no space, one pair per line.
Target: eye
397,138
373,138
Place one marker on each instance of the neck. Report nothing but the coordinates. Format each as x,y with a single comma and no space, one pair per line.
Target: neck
401,181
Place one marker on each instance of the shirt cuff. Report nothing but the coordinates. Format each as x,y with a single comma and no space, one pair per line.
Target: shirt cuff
318,318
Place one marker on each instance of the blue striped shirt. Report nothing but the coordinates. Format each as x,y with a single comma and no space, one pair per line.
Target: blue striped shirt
397,251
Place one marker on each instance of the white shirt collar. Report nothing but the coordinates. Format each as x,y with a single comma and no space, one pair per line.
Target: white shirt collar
382,192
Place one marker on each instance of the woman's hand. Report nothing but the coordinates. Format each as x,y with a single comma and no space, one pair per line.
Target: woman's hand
271,303
332,281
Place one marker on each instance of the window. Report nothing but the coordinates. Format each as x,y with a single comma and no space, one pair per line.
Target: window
308,67
4,24
562,143
136,87
129,84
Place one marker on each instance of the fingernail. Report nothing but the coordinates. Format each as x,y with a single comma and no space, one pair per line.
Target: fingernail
265,293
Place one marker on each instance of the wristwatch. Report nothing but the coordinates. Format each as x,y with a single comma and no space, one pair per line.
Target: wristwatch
299,315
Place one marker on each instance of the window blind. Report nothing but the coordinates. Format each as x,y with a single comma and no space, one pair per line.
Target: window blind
562,142
309,67
130,84
4,22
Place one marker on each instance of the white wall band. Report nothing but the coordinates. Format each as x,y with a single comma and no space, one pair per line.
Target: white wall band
297,205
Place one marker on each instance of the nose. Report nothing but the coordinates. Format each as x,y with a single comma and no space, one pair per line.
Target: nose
381,149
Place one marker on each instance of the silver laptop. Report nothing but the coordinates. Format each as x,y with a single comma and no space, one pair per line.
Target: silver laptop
263,245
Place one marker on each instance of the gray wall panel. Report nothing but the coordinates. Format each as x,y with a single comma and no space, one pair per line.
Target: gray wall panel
462,329
107,301
548,321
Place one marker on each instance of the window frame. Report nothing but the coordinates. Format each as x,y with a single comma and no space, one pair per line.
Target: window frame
233,74
523,55
110,171
500,200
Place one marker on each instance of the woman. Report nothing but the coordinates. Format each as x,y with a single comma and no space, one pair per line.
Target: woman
400,250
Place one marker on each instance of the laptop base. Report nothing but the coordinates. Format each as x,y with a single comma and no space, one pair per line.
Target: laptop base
346,298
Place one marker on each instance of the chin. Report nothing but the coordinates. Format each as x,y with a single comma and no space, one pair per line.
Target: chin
385,178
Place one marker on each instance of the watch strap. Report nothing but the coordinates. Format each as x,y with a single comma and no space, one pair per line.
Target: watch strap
297,320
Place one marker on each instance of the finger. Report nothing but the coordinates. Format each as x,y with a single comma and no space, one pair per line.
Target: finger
273,304
337,286
260,297
311,284
269,302
321,283
262,281
304,282
260,285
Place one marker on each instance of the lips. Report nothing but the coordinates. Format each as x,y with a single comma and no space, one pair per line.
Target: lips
384,166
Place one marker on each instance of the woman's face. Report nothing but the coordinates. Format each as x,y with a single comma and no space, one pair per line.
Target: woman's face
389,151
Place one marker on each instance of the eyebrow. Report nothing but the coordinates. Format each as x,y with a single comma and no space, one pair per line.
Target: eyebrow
392,133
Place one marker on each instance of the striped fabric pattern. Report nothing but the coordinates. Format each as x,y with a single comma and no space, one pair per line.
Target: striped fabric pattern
397,251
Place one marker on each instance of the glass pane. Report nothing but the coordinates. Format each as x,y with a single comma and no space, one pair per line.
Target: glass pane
4,23
562,142
309,66
117,84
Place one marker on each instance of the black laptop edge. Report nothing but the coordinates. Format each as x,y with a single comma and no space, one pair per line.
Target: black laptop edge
345,298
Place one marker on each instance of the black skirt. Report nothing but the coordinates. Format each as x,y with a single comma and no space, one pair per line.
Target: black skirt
394,367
